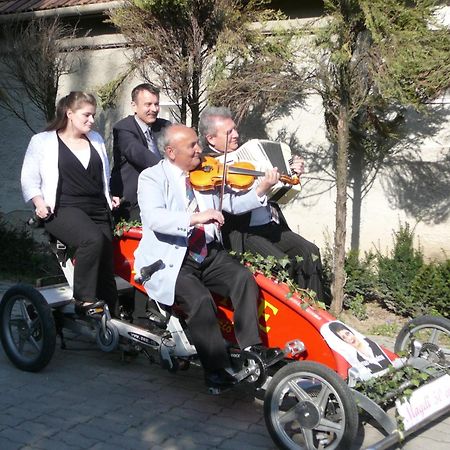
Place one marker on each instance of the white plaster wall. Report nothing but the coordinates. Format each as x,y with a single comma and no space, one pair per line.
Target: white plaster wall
14,137
314,217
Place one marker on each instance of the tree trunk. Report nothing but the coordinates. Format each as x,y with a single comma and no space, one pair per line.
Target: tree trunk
195,103
183,111
357,174
337,286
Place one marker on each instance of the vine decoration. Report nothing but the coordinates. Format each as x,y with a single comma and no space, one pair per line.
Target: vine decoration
277,269
384,389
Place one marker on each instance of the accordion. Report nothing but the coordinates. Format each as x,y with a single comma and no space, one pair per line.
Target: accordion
265,155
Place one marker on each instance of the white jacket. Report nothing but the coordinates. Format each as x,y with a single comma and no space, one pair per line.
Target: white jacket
165,225
40,174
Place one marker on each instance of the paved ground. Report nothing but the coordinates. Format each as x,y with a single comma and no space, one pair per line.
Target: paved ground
86,399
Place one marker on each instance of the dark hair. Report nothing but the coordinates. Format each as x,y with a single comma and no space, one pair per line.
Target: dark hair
144,87
335,327
74,101
207,122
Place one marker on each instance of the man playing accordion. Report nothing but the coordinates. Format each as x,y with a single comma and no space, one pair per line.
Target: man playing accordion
264,230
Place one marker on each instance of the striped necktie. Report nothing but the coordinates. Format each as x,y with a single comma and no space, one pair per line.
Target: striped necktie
151,144
197,240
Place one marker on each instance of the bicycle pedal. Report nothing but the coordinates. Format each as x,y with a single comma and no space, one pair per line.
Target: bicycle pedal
95,313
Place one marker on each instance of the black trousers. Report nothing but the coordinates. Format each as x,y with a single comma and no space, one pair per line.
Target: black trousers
222,274
277,240
89,233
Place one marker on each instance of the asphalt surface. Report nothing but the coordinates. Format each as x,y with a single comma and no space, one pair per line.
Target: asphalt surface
87,399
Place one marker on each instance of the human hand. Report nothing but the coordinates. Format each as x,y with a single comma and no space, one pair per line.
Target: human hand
298,165
115,201
42,210
270,179
207,216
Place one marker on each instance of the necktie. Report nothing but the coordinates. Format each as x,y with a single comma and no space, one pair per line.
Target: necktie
197,239
151,144
274,214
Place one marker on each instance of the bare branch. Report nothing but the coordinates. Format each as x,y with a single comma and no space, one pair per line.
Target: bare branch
32,60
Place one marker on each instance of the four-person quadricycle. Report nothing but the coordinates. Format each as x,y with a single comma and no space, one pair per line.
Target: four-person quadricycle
314,397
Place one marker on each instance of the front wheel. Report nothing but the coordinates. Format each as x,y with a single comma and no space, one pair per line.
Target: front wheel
308,406
107,337
27,328
432,332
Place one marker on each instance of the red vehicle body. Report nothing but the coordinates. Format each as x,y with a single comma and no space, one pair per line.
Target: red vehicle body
282,318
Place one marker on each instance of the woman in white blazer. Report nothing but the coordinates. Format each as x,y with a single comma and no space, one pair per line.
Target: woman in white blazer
65,175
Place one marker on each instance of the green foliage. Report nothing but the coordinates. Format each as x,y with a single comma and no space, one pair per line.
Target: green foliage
430,289
108,92
194,46
361,276
397,271
401,280
356,306
22,258
414,46
395,382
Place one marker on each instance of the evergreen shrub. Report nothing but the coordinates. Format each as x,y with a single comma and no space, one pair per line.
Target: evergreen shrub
21,257
402,280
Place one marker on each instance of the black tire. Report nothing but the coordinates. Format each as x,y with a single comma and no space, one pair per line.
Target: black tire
432,332
27,328
308,406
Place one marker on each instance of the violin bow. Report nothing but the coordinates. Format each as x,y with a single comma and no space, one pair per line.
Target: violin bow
224,174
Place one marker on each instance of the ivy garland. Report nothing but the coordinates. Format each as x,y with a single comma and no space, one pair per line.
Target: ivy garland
384,389
277,270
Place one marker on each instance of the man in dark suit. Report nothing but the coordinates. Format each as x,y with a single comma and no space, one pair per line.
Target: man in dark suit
135,148
264,230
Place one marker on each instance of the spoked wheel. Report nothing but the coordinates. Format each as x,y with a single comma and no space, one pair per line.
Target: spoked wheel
432,332
308,406
27,328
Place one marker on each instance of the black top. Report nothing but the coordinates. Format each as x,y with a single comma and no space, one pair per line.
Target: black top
79,187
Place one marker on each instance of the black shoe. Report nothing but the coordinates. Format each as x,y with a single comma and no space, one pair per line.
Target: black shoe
219,378
89,308
268,356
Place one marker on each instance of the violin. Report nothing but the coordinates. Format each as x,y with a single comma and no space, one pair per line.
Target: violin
240,175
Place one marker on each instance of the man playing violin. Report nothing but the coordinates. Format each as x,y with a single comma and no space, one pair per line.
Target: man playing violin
264,231
170,227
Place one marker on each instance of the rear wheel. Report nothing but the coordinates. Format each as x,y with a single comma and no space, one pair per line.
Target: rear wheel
27,328
433,333
308,406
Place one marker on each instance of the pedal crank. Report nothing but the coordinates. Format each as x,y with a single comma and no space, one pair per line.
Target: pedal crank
253,370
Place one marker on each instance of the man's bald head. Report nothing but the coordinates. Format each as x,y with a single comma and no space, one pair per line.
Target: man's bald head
181,146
